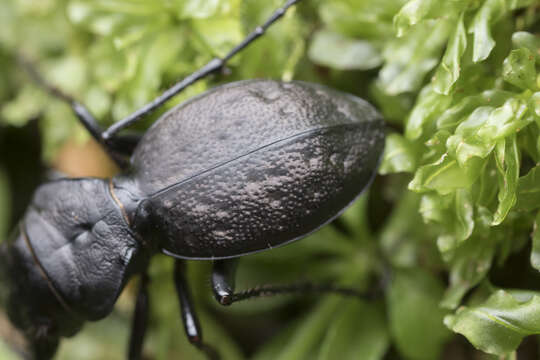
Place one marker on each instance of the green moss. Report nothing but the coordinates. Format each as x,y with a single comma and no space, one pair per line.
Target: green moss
459,82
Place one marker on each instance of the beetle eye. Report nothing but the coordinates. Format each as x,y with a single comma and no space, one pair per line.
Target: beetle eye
84,227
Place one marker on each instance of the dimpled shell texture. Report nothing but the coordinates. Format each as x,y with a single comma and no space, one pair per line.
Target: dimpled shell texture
255,164
82,242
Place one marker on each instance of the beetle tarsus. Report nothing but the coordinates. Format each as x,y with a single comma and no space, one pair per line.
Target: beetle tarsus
301,288
223,285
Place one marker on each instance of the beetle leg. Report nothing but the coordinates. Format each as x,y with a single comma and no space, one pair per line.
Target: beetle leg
223,278
140,320
301,288
223,275
44,349
124,145
119,148
213,66
189,316
82,113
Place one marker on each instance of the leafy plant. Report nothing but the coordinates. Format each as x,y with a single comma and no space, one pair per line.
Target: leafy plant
456,206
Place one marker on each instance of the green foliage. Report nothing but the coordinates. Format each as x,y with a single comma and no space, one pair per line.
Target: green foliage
458,81
354,54
475,120
498,324
415,314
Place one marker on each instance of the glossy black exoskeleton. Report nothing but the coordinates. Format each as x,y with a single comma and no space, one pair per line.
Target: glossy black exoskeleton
242,168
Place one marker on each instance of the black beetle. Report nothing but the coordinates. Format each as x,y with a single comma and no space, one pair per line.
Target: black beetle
242,168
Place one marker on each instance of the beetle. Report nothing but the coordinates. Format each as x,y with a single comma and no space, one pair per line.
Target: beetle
241,168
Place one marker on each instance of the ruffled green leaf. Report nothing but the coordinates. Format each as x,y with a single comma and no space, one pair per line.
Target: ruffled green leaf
470,262
435,207
458,112
523,39
498,325
527,141
534,106
336,51
478,135
366,19
528,190
126,21
535,252
466,143
517,4
445,175
485,190
453,212
450,67
464,211
519,69
199,9
505,121
410,58
429,106
399,155
416,11
411,14
487,17
507,159
483,42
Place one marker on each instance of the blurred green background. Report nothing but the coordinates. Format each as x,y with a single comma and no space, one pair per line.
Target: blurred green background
453,212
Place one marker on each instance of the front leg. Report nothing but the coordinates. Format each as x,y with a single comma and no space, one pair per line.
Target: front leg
189,316
140,320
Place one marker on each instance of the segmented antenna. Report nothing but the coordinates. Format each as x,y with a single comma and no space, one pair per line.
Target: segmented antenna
107,138
82,113
213,66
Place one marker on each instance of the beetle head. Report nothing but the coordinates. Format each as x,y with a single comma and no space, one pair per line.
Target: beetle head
67,261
